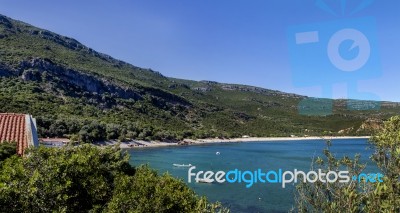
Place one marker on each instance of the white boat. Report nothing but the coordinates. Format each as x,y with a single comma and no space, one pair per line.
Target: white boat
182,165
202,180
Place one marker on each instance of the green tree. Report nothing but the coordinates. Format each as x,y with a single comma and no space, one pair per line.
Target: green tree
7,149
355,196
386,195
86,178
72,179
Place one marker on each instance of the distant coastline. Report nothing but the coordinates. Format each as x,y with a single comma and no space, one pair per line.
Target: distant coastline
190,142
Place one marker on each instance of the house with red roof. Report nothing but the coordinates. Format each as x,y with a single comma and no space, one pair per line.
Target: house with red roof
20,128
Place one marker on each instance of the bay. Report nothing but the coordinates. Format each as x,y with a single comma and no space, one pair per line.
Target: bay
271,155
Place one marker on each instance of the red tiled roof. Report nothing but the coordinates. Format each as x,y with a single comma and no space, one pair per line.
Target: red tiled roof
13,128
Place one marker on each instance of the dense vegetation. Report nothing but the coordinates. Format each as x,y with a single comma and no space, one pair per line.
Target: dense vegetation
89,179
76,92
7,149
364,196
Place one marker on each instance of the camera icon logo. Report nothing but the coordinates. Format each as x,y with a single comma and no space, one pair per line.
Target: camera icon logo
325,54
359,40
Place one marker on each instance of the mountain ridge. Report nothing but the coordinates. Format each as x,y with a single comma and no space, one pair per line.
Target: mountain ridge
76,45
78,92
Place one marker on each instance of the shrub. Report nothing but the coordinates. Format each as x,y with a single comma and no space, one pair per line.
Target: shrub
87,178
364,196
7,149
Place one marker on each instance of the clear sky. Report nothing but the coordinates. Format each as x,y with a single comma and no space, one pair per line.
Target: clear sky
232,41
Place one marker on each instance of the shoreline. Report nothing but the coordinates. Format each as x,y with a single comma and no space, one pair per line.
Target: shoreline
139,144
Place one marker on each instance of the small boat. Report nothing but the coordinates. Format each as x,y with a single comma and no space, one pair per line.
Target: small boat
182,165
202,180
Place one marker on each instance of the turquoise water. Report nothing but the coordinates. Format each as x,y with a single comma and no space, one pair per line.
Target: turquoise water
261,197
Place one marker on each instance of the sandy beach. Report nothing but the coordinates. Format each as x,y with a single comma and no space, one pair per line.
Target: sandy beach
189,142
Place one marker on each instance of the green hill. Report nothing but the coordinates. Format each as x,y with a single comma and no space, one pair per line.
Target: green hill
75,91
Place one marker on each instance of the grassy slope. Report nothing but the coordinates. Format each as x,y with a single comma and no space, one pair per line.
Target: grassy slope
216,109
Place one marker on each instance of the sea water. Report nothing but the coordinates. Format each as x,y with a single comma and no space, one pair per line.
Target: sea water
271,155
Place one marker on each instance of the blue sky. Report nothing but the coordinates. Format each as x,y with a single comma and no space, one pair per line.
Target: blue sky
232,41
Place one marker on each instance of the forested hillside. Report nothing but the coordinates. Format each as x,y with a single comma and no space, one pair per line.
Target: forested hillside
74,91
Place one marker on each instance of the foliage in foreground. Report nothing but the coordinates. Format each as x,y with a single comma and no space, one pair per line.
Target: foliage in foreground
7,149
363,196
90,179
